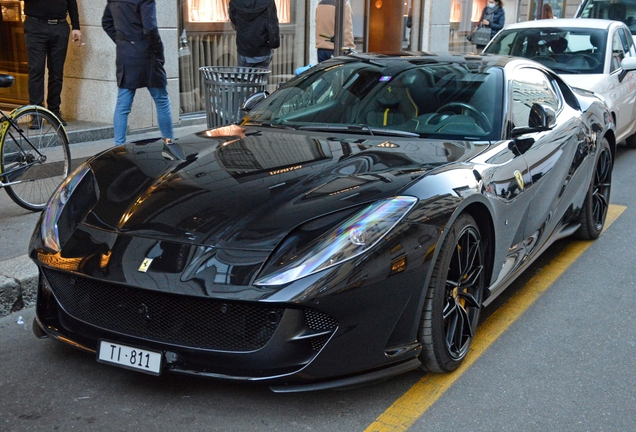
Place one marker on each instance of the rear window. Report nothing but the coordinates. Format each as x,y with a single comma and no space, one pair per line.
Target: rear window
624,10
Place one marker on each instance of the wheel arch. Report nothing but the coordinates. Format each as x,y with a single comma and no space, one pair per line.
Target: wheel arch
611,139
485,222
486,226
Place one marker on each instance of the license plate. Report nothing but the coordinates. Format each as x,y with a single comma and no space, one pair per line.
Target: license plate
138,359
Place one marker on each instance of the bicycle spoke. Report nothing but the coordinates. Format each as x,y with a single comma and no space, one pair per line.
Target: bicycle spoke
34,159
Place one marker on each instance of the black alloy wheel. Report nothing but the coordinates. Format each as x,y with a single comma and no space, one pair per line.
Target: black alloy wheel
594,211
453,300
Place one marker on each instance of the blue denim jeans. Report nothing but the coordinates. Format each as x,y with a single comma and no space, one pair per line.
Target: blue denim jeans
124,103
255,62
324,54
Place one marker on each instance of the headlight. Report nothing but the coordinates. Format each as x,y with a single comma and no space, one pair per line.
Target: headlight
55,207
355,236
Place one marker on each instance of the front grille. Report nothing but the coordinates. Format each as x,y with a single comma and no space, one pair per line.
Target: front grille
187,321
319,321
318,342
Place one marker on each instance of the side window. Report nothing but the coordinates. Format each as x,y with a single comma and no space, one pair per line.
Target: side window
620,10
505,45
628,42
531,86
617,53
625,40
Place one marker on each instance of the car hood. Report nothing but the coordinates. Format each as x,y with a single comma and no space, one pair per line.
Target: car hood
597,83
246,187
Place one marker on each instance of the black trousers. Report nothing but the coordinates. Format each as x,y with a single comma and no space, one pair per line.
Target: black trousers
46,46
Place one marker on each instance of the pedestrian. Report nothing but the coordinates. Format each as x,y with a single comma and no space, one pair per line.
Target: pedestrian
547,11
46,33
257,31
494,17
409,24
325,28
132,25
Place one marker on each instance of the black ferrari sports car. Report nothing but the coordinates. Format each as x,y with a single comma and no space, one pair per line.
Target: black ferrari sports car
350,228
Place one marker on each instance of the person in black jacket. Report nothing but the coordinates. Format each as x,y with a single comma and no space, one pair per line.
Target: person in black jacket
46,34
257,31
132,25
493,16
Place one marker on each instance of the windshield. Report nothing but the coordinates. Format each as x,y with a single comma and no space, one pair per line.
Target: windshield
623,10
564,50
449,100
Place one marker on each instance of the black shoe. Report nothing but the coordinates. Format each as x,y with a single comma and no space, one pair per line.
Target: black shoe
36,123
59,116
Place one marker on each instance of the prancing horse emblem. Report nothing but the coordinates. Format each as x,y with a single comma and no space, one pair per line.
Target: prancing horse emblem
144,265
154,252
519,178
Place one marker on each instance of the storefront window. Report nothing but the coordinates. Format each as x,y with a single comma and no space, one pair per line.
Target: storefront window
359,9
208,11
13,52
208,39
478,8
465,15
558,8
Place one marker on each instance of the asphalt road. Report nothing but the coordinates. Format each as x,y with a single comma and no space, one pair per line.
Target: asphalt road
566,364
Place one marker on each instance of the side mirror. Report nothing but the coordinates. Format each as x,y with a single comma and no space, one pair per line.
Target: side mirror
254,100
541,118
628,64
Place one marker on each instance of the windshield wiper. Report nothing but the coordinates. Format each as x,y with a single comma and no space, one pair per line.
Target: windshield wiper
277,126
360,128
271,125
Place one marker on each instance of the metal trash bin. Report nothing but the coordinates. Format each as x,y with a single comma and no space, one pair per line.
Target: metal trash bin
227,88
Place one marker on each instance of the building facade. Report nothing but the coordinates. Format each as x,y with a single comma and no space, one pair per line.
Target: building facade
197,33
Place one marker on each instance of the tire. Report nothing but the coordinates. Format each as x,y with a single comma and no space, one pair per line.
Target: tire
453,299
594,211
38,181
630,141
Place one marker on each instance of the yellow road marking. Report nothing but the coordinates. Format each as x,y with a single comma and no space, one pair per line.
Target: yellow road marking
408,408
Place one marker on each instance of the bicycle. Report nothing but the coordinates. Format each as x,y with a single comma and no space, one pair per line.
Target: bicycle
34,153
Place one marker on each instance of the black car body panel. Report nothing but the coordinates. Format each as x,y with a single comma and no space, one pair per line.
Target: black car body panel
171,254
196,200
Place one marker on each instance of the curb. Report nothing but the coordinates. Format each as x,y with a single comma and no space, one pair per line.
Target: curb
18,284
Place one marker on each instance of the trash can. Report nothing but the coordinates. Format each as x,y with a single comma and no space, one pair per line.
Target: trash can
227,88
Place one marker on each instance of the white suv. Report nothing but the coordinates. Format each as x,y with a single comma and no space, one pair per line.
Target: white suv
591,54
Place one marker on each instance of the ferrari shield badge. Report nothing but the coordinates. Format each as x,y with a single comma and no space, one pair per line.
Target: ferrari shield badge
144,265
154,252
519,178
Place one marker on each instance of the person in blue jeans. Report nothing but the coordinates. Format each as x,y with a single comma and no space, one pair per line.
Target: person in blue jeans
132,25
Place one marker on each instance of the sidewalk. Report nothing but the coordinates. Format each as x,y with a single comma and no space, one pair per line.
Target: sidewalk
18,276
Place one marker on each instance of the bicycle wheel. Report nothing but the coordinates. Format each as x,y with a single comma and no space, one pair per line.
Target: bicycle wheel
35,161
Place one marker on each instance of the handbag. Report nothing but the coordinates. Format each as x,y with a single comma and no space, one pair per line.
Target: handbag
480,36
